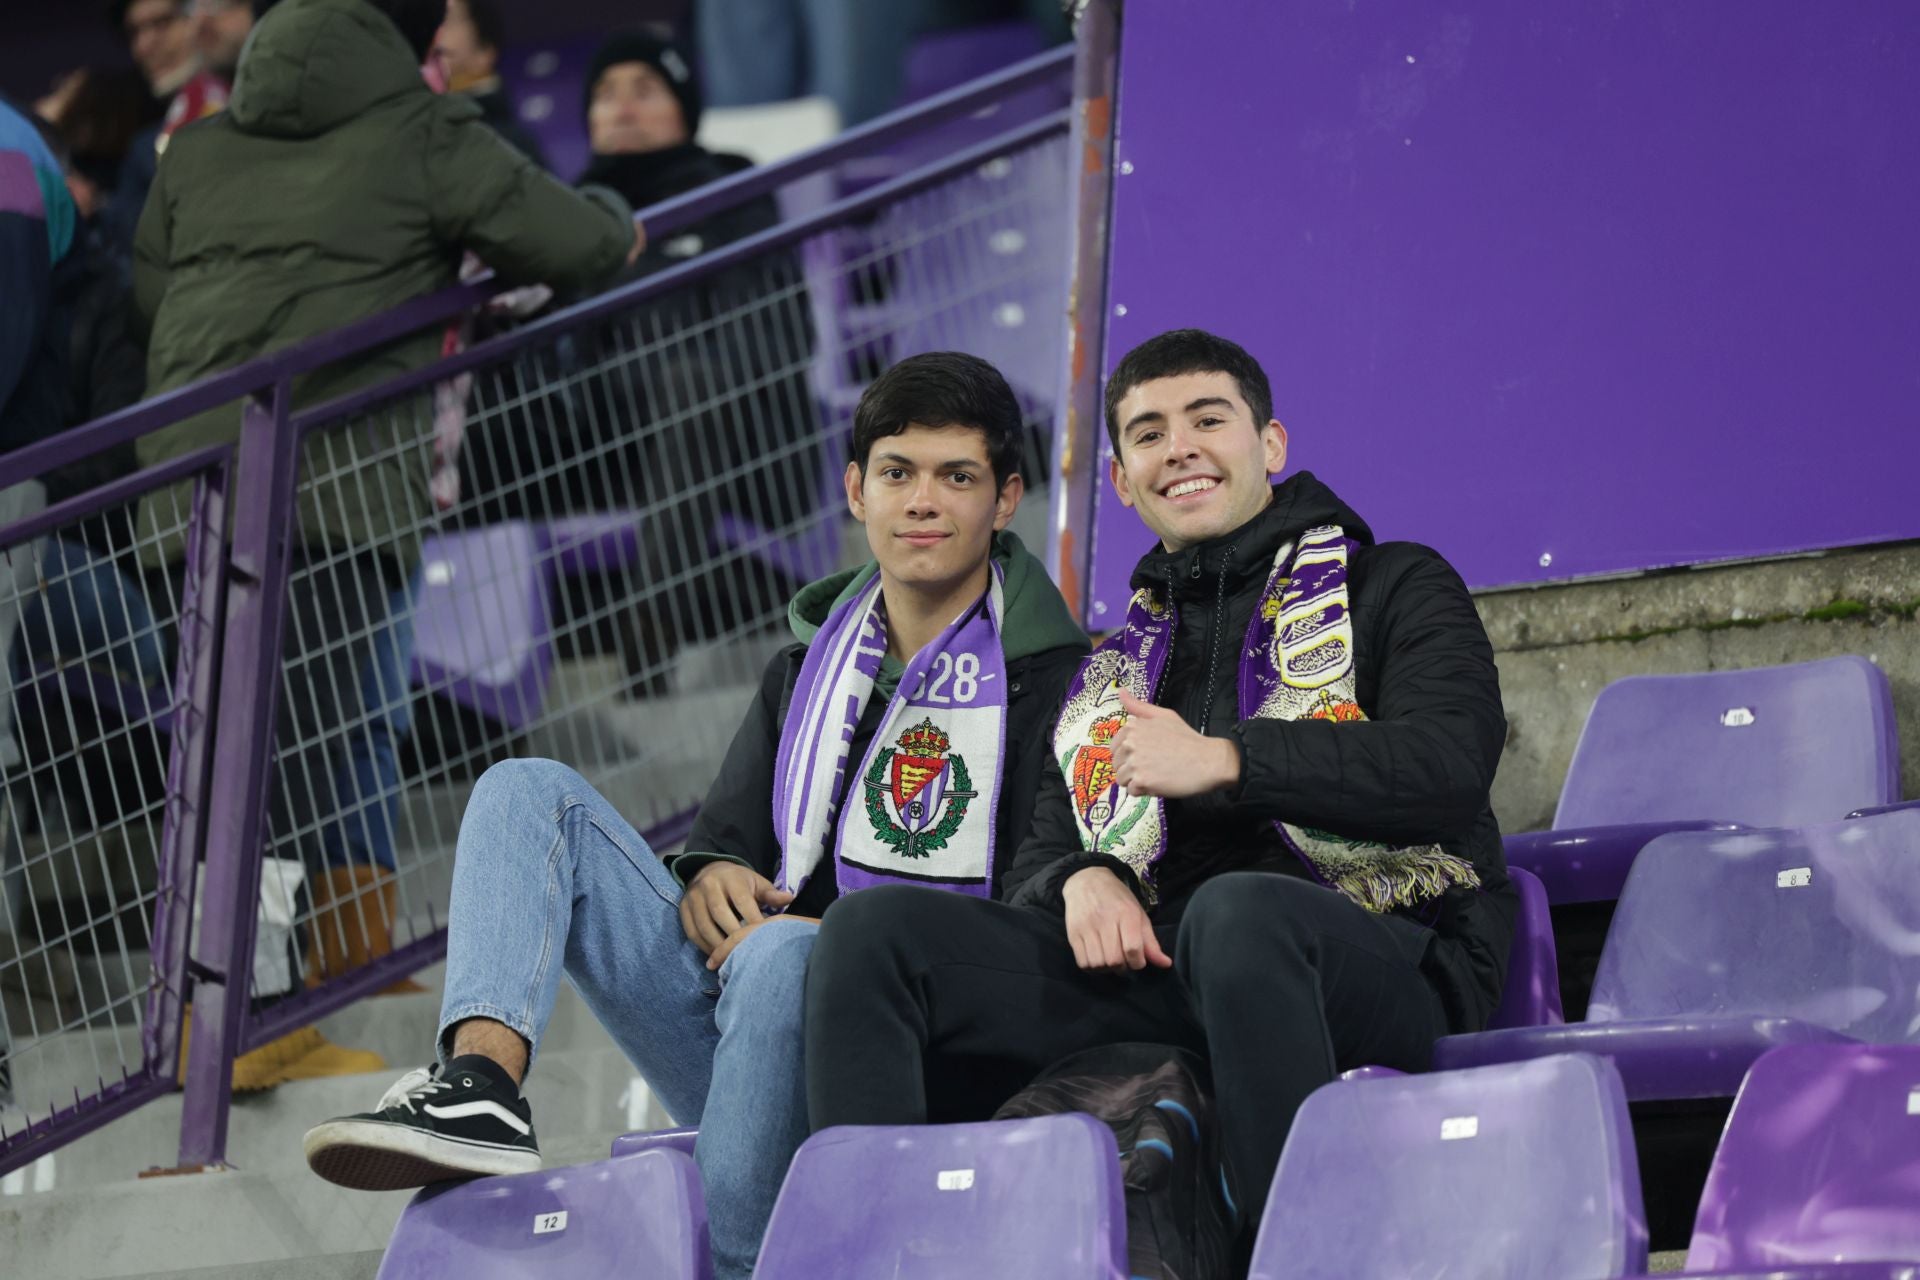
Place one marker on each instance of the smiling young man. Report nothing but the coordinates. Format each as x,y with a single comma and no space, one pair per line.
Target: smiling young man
900,741
1263,832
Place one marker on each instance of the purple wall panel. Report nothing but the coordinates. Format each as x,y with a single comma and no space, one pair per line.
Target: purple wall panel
1621,285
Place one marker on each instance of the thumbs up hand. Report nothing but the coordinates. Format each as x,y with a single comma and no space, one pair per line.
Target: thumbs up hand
1157,753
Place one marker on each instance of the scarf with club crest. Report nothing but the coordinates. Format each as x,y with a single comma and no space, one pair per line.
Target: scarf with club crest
920,809
1296,664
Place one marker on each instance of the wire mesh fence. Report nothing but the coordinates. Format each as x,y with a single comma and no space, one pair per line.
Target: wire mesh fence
93,735
577,539
582,545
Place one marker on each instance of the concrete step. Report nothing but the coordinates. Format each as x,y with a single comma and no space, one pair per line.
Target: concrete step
579,1066
197,1223
576,1094
339,1266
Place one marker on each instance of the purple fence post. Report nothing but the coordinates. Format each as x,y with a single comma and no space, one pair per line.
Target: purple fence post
266,475
1078,428
189,779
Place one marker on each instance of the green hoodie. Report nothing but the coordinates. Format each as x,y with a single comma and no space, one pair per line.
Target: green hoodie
1036,620
334,187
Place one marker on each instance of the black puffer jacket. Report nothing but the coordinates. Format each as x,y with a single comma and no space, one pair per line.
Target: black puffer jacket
1418,769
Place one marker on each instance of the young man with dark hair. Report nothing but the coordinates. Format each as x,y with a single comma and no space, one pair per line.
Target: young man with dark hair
1263,832
898,741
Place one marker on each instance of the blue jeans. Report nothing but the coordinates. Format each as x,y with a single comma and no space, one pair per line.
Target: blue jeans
852,51
367,775
90,612
549,878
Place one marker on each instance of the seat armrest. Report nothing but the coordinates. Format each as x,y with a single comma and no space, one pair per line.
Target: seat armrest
632,1144
1877,810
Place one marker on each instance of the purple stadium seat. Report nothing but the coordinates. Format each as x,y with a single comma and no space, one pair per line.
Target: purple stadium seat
480,621
1531,997
593,543
1820,1163
1727,944
1010,1199
640,1215
1519,1171
632,1144
1769,747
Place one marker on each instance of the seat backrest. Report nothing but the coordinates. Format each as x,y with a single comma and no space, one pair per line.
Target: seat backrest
1011,1199
480,621
1820,1162
642,1215
1531,997
1768,747
1815,923
1520,1170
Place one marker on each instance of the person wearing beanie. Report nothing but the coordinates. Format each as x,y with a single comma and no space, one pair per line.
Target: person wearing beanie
671,435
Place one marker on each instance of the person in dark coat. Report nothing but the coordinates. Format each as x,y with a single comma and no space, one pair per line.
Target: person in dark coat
468,47
924,769
1263,832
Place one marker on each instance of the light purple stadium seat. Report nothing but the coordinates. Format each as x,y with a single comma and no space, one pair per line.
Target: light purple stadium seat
1768,747
1010,1199
1820,1163
632,1144
481,630
547,83
597,542
1728,944
642,1215
1521,1171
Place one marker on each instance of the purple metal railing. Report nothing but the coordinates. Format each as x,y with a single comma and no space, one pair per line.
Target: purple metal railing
232,613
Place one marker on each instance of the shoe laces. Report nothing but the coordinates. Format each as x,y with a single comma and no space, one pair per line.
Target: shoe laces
421,1082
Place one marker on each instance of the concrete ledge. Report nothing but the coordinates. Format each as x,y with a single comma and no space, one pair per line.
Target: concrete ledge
1557,647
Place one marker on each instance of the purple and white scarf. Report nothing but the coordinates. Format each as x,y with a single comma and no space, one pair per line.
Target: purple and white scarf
923,802
1296,664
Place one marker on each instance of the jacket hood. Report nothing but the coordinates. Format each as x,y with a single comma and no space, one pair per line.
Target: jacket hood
1300,502
312,65
1036,620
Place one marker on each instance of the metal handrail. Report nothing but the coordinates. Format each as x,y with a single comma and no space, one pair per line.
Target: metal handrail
665,218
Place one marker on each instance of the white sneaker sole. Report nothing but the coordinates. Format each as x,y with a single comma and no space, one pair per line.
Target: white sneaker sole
372,1155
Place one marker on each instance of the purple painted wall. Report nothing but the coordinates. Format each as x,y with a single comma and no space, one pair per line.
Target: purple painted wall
1560,290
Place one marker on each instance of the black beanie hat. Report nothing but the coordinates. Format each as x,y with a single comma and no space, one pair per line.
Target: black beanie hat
665,57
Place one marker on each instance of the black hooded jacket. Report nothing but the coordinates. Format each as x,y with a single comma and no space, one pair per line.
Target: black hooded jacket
1418,770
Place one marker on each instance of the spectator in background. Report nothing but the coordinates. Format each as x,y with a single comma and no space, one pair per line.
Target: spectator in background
220,30
99,112
377,184
160,37
36,233
468,47
713,425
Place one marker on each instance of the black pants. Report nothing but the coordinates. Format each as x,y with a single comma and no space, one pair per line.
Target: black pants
1281,983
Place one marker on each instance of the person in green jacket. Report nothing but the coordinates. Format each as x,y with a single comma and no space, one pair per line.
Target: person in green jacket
336,186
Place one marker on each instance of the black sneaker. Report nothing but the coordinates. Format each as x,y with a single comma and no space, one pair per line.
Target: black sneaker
429,1127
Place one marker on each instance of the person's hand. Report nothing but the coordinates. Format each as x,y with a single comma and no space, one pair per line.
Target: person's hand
1157,753
724,898
639,244
1107,926
720,953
